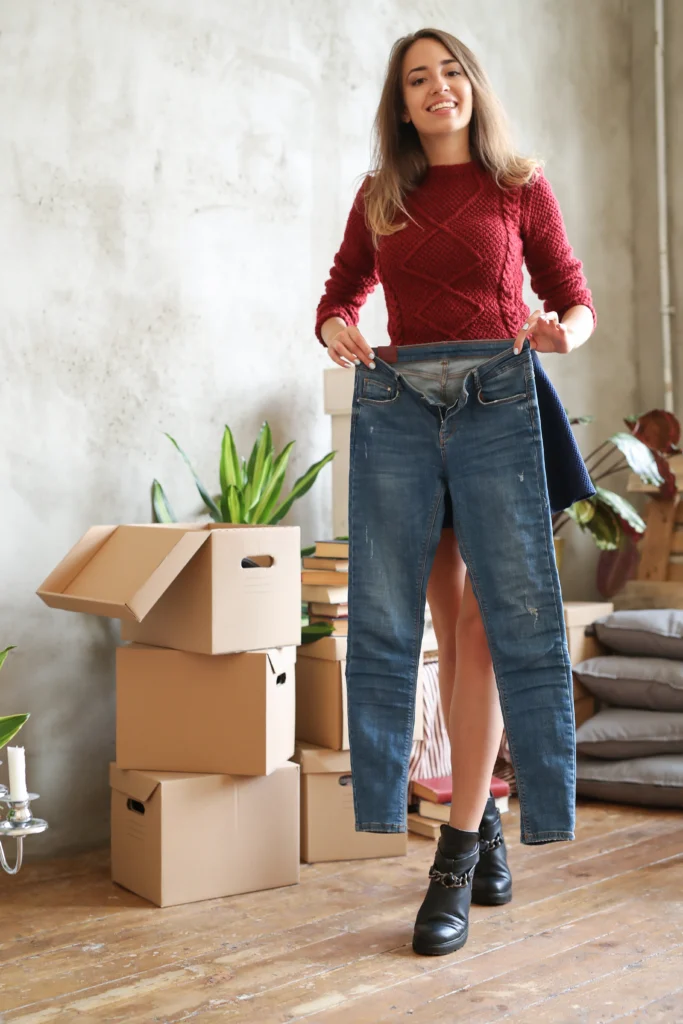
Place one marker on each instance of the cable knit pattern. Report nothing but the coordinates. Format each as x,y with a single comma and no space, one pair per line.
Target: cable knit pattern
455,273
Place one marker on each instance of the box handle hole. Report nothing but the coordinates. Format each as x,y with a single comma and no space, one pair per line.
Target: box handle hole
257,561
344,780
135,805
281,679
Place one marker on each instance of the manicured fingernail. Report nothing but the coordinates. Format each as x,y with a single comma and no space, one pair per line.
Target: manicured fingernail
516,351
356,362
371,354
526,327
372,366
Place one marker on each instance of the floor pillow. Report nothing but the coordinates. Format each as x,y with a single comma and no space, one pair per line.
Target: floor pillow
654,683
617,733
652,632
648,781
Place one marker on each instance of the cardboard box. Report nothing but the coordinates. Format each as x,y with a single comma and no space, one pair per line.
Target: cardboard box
182,712
180,838
321,702
578,616
328,827
184,586
338,399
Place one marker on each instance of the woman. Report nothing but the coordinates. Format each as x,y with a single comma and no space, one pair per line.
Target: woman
444,223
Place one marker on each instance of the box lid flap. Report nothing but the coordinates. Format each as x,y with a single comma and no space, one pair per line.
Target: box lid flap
137,784
122,571
313,758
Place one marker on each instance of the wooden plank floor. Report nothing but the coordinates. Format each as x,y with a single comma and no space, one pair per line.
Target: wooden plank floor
594,934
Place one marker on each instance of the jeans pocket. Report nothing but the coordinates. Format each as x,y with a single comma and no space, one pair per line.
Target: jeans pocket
377,392
504,386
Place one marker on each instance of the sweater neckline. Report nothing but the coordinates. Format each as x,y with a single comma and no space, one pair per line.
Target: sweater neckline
453,170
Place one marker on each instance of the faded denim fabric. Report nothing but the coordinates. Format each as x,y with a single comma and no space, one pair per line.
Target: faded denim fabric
461,416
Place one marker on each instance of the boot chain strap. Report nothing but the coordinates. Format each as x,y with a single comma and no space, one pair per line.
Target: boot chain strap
451,880
486,845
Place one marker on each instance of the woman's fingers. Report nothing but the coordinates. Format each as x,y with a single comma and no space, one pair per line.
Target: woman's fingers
519,340
350,345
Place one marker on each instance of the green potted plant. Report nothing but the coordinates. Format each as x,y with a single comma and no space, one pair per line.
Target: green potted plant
611,520
9,724
250,493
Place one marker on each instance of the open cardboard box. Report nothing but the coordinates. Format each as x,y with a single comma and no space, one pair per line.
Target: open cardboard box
180,838
184,586
183,712
328,827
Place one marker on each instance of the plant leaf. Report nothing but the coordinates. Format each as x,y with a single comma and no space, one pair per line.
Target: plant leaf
581,511
623,508
264,509
315,631
305,552
230,470
301,486
163,513
214,511
254,491
658,429
639,457
259,466
10,726
615,568
3,654
233,499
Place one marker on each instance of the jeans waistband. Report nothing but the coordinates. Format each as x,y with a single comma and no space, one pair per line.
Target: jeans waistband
499,348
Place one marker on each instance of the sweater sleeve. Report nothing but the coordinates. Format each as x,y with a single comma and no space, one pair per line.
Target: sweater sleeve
556,274
354,273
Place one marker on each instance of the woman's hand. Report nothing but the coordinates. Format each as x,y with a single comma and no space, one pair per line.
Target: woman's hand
348,348
545,333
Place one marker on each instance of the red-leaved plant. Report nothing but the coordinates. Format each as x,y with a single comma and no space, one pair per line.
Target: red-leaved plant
611,520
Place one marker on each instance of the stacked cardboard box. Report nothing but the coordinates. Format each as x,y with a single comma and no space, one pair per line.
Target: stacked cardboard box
205,798
327,819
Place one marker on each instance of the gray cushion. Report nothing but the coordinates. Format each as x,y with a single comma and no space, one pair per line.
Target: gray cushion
654,683
652,781
616,733
652,632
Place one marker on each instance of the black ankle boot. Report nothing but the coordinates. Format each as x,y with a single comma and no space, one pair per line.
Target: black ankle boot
442,920
492,883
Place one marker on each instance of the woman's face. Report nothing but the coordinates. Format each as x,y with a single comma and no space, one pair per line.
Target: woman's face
436,91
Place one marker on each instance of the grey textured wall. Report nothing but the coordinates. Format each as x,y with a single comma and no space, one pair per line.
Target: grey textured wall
174,185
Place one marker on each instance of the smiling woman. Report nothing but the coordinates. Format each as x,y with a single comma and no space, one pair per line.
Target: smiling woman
448,497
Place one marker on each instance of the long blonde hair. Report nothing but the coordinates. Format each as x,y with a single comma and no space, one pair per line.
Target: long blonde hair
400,162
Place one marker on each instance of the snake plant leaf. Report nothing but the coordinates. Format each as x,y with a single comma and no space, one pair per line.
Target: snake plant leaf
623,508
234,507
230,469
639,457
10,726
253,492
214,511
163,513
315,631
305,552
301,486
3,654
581,511
265,507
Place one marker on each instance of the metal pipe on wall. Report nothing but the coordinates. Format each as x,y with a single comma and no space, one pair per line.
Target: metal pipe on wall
666,309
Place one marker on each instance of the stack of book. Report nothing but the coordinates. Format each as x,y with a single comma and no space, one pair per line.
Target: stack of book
325,584
431,800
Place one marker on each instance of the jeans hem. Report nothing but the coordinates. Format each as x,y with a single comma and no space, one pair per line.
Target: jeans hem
529,838
379,826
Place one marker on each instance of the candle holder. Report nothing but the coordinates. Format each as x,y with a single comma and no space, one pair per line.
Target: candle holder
18,823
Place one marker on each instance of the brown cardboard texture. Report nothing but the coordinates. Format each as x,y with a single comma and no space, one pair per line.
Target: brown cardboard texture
328,828
184,585
321,703
183,712
180,838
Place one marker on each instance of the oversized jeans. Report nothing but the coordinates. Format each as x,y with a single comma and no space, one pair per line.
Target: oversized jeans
462,416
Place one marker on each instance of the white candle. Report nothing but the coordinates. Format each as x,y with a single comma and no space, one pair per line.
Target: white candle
16,762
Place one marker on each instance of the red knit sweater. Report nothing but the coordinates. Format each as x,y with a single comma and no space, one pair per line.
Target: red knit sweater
456,275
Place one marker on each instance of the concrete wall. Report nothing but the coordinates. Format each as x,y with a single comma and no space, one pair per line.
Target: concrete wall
175,182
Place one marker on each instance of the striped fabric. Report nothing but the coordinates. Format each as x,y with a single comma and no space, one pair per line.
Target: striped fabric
431,756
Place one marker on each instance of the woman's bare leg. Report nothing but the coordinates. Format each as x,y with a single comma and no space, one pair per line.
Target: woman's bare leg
467,684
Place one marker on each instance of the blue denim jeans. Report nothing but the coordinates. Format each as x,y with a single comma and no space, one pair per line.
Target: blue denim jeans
462,417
